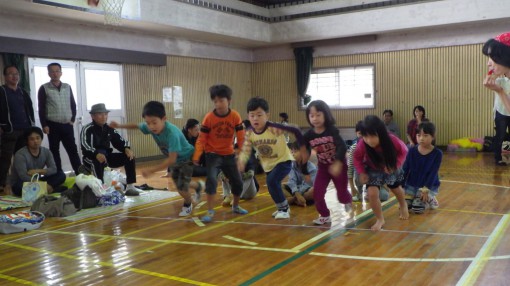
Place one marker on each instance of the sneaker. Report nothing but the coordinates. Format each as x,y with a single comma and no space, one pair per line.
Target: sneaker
433,203
275,213
239,210
227,201
186,211
355,198
281,214
208,217
322,220
132,191
418,206
348,207
198,192
501,163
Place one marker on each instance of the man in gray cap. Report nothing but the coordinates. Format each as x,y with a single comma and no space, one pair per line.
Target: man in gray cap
97,139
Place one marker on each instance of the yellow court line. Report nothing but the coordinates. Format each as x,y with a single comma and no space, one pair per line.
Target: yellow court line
106,264
339,227
477,265
470,212
240,240
17,280
198,221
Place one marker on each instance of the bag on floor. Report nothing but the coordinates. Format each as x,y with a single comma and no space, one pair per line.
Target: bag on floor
20,221
92,182
52,206
111,198
82,199
34,189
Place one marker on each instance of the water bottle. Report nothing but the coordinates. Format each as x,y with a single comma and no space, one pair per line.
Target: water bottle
107,177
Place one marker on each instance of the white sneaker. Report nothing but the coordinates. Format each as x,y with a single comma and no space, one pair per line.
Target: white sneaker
282,214
322,220
186,211
275,213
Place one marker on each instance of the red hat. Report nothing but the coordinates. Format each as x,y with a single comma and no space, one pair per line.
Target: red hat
503,38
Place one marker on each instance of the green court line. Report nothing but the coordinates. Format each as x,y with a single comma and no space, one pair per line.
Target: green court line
312,247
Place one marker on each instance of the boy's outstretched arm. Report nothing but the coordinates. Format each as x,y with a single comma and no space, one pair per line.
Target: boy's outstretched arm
169,161
115,124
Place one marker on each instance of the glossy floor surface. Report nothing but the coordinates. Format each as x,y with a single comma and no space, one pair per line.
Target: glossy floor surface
464,242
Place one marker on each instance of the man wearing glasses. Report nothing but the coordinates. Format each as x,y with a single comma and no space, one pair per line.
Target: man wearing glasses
16,116
57,112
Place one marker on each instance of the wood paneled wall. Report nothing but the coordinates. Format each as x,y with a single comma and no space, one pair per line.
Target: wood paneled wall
144,83
447,81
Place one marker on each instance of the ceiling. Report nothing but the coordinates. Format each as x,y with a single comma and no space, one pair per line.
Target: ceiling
268,3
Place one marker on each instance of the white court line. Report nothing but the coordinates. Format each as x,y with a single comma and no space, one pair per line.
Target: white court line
477,265
333,229
240,240
480,184
392,259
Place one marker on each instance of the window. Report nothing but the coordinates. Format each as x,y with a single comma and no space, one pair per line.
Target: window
344,87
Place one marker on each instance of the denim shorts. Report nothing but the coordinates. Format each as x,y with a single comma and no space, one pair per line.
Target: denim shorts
380,178
181,174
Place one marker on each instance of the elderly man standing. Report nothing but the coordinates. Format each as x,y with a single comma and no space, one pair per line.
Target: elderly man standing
57,112
96,141
16,116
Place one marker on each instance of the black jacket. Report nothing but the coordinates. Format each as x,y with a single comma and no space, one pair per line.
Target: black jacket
95,139
5,113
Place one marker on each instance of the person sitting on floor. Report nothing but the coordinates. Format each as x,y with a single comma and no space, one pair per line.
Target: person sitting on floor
34,159
96,138
299,188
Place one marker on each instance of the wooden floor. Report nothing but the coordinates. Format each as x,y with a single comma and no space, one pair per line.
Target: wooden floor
464,242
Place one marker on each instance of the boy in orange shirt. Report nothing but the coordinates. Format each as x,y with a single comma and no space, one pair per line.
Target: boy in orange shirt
216,139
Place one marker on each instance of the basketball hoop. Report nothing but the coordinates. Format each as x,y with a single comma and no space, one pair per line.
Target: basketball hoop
112,11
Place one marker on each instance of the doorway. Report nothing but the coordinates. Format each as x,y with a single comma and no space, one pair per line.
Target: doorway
91,83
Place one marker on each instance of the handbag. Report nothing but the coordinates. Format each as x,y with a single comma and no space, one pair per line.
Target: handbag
20,221
52,206
82,198
34,189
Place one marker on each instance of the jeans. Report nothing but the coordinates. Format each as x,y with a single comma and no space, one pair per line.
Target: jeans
274,183
227,164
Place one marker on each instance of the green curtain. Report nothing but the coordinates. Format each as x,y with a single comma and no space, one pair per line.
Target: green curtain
304,64
18,60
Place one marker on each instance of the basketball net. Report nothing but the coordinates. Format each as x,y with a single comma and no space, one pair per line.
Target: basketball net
112,11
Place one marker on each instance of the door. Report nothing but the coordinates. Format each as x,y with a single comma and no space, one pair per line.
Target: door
91,83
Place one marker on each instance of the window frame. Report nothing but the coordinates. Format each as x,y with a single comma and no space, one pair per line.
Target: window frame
336,69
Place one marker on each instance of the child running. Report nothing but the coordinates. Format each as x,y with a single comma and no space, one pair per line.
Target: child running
421,170
216,139
378,159
174,146
325,139
268,139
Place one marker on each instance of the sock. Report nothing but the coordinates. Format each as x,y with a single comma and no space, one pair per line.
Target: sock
129,186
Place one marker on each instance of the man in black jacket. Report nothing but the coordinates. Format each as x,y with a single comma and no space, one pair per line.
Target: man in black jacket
96,140
16,116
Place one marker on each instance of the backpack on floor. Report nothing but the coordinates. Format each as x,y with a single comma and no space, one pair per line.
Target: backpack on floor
82,199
